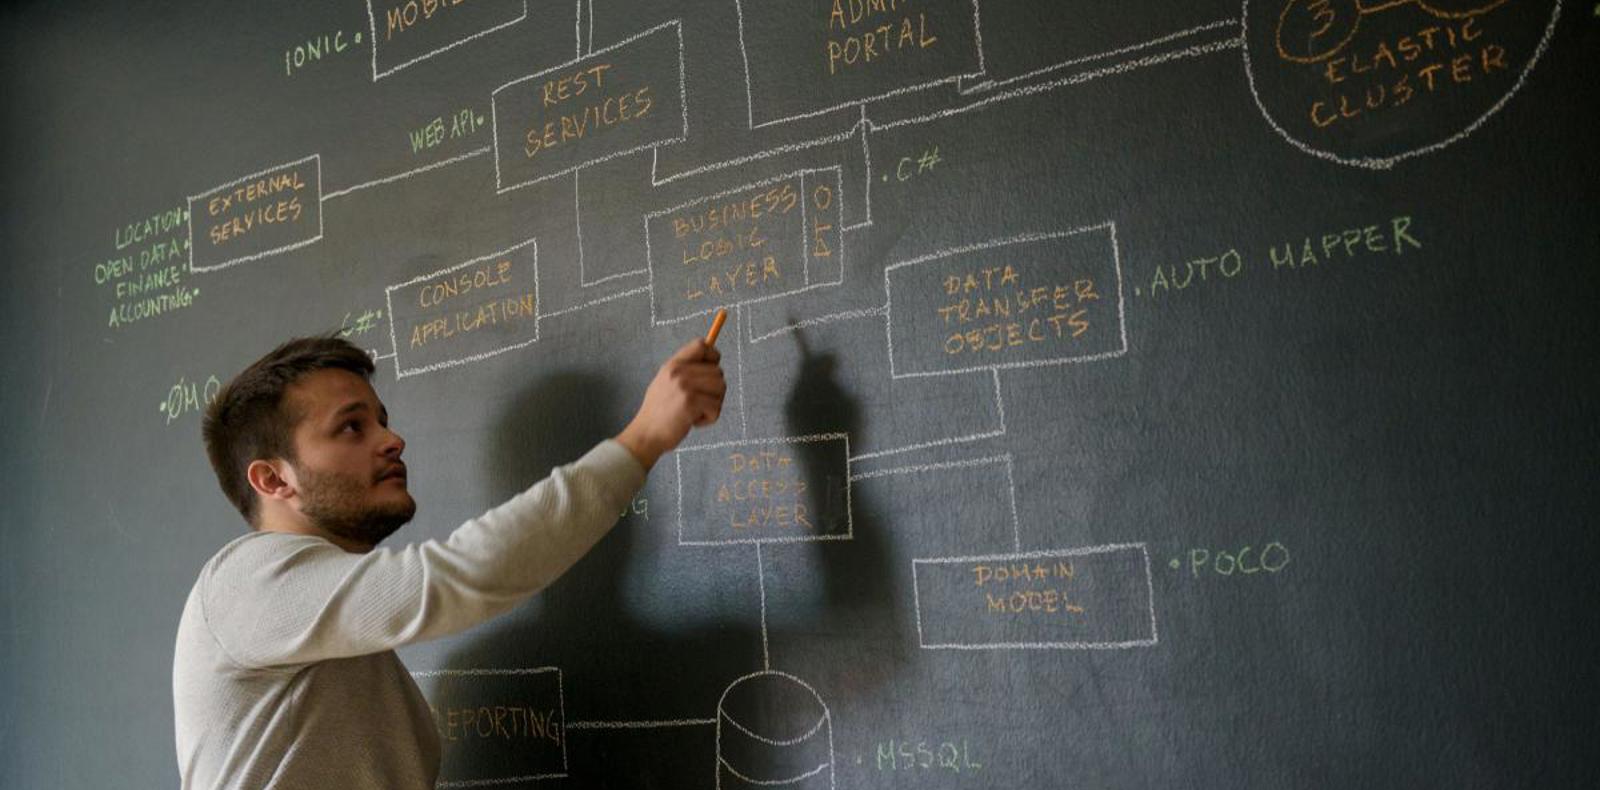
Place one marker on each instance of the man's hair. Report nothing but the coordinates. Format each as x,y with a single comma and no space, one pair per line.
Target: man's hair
249,420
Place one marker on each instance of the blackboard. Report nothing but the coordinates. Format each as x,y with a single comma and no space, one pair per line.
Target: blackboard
1144,395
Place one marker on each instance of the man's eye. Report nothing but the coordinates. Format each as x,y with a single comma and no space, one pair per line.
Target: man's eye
353,426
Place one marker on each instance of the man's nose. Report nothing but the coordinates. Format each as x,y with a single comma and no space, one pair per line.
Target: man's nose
394,446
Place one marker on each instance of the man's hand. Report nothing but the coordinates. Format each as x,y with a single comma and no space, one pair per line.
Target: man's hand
686,392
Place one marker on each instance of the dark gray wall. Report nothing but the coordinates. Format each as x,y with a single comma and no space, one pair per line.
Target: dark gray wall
1408,418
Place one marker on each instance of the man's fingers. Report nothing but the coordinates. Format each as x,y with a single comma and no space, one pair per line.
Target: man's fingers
692,351
697,351
702,378
698,376
707,405
706,410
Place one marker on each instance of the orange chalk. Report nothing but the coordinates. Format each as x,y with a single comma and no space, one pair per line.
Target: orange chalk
716,326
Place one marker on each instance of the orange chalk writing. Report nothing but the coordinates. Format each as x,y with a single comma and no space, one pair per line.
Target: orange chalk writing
990,309
871,31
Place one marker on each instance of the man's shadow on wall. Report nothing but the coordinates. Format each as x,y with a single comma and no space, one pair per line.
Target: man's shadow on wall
638,666
853,573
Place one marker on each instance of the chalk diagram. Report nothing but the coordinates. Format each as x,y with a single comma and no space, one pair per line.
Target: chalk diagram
996,307
1372,83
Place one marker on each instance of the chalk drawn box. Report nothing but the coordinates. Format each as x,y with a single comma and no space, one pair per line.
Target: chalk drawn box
753,243
498,726
1025,301
466,312
625,98
806,59
780,490
276,210
404,32
1100,597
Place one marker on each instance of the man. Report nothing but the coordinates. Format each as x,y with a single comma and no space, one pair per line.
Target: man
285,674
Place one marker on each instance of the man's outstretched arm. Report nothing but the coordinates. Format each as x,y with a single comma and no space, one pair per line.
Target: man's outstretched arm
279,600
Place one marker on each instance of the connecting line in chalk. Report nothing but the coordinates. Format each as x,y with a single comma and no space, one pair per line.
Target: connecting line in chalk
738,353
656,180
639,725
372,28
993,84
643,289
761,578
590,16
577,223
1011,488
500,781
476,152
993,460
818,320
862,126
1000,410
1233,42
865,126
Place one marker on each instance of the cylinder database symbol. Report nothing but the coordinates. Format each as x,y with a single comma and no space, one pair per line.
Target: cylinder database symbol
773,730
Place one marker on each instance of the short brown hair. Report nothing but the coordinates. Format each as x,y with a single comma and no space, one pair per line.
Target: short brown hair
249,421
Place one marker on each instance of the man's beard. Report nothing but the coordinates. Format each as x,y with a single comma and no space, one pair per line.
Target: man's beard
333,502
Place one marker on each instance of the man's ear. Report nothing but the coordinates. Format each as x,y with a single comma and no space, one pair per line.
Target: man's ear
271,479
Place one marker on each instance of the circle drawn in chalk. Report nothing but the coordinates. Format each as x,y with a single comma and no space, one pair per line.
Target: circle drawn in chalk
1310,31
1371,82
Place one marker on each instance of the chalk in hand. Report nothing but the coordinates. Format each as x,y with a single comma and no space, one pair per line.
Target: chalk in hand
716,326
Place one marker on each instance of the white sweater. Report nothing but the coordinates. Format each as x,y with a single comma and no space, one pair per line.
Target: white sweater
285,674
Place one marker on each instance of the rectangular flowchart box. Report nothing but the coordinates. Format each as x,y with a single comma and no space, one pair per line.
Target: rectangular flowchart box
405,32
805,59
467,312
780,490
275,210
757,242
823,220
498,726
1091,598
1041,299
625,98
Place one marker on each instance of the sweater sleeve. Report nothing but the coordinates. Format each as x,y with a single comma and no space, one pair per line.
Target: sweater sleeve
273,599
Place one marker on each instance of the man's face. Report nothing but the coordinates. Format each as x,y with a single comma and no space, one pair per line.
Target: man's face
348,474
